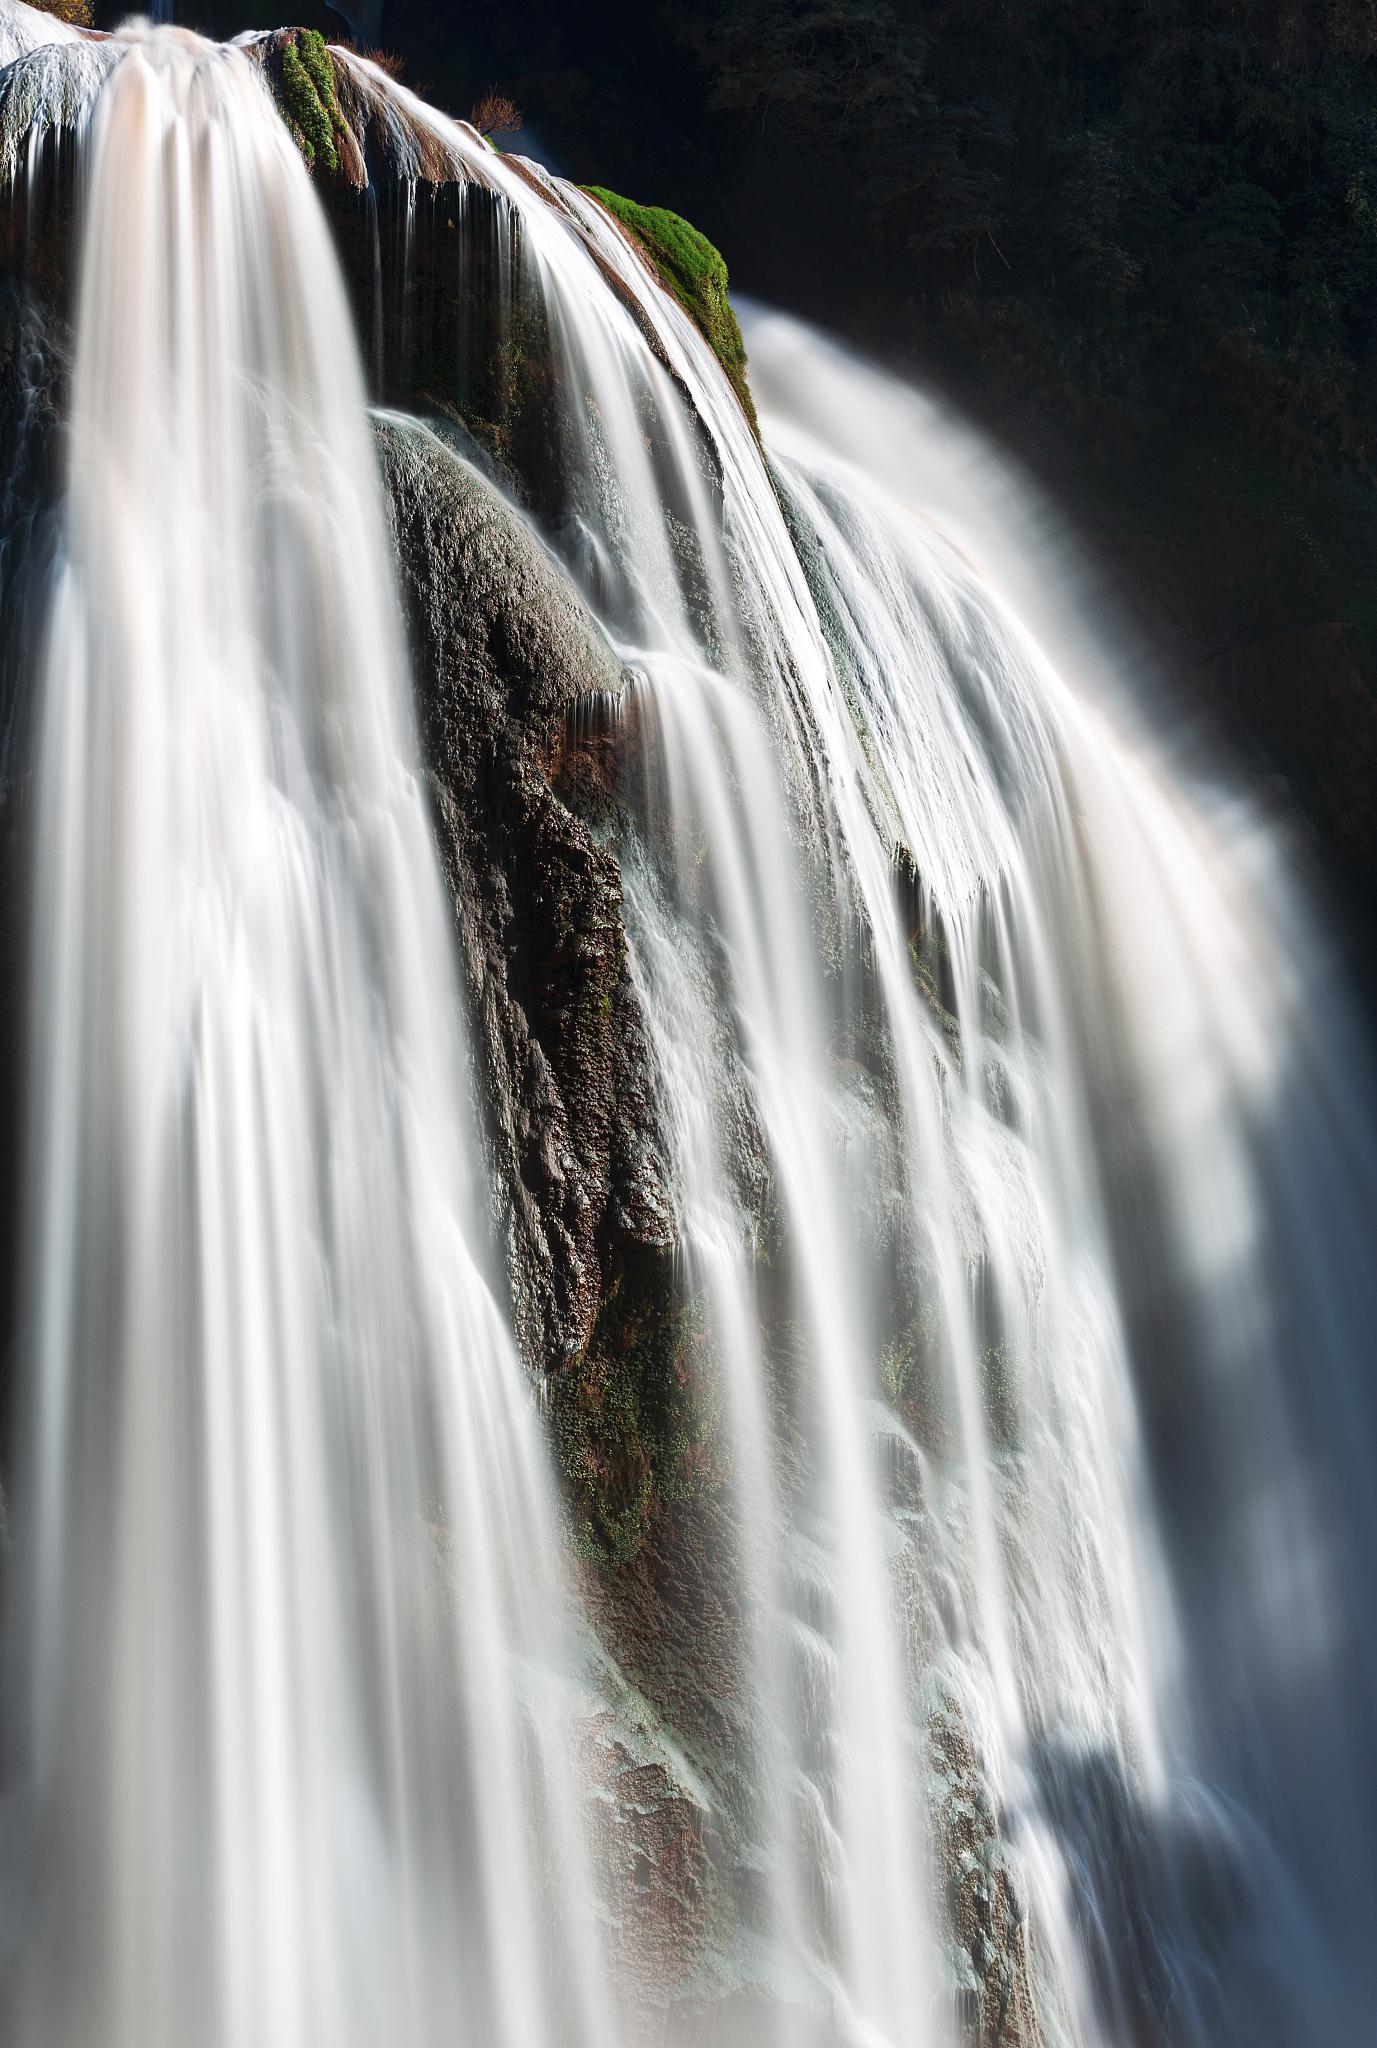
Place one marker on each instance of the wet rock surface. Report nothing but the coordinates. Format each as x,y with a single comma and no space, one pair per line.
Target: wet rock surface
524,784
995,2005
504,654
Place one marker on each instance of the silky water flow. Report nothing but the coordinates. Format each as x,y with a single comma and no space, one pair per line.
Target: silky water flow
288,1761
1020,1143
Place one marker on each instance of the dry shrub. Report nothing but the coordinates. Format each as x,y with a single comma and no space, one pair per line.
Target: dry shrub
496,114
76,13
390,61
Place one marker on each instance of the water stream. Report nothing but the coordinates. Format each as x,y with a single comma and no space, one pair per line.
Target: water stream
289,1762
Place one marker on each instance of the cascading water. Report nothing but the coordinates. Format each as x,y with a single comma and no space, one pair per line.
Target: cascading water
1076,918
288,1765
992,1056
1147,984
1089,1035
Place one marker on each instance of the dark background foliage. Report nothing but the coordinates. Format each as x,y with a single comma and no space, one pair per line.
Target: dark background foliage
1139,242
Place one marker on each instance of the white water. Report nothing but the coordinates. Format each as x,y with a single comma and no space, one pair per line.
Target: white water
1002,1243
1175,1032
289,1756
25,29
1027,1184
50,74
1133,980
1128,1546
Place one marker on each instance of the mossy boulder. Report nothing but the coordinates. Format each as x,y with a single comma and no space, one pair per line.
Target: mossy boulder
694,273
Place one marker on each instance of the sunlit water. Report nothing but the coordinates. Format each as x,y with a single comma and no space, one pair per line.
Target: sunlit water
1022,1162
288,1762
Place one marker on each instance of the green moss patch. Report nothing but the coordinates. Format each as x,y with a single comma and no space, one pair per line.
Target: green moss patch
694,273
306,93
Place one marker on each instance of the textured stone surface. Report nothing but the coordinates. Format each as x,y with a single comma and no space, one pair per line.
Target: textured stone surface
504,653
988,1922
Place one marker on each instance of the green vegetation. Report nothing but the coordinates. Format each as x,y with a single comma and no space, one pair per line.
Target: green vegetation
1094,216
306,91
76,13
694,273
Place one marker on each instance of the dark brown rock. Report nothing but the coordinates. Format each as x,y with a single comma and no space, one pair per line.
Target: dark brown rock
504,653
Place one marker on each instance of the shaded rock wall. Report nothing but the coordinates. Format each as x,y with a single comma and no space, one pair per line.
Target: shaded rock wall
505,655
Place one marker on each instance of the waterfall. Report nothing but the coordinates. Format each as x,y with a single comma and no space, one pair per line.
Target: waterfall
992,1071
1097,996
1018,1135
1159,1025
288,1762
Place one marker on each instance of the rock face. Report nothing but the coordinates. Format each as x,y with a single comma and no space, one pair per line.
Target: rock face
515,685
506,659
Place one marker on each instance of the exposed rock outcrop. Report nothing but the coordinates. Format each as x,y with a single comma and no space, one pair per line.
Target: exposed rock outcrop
505,652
